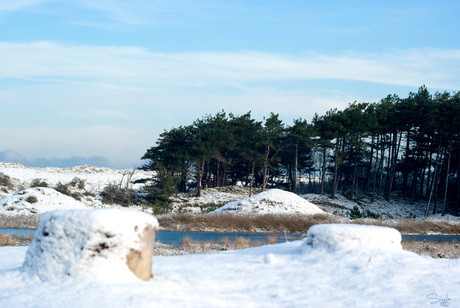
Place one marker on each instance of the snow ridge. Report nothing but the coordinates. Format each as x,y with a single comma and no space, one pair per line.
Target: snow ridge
274,201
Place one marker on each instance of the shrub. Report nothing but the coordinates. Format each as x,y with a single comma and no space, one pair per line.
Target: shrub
114,194
5,181
355,213
15,240
78,183
38,183
63,189
209,207
160,207
32,199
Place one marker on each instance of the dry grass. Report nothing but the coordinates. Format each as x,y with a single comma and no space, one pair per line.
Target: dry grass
189,246
227,222
14,240
19,221
449,250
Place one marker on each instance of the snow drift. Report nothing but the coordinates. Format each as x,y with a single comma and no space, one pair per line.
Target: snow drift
337,237
274,201
38,200
293,274
104,244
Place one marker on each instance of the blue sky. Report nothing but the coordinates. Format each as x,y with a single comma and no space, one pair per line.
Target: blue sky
104,78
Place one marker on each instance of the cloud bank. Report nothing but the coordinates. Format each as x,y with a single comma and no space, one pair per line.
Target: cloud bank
139,68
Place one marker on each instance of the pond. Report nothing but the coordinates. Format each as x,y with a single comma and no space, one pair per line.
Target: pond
175,237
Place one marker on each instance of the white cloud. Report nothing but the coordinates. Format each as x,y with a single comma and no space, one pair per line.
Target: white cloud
137,67
113,101
17,5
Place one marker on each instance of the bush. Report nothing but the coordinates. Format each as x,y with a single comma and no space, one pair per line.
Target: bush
209,207
5,181
114,194
63,189
355,213
161,207
78,183
38,183
32,199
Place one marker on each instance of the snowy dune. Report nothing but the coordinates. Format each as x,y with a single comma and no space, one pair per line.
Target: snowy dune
335,266
319,271
96,178
273,201
37,200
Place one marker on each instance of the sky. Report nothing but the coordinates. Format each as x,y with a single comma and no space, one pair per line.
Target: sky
83,78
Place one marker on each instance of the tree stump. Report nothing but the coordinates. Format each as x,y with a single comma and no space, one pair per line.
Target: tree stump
100,244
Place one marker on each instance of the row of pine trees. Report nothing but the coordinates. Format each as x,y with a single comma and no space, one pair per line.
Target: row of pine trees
406,145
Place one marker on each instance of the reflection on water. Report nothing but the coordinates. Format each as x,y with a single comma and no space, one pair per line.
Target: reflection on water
175,237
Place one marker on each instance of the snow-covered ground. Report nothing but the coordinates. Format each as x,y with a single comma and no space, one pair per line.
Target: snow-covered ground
85,181
96,178
333,267
38,200
274,201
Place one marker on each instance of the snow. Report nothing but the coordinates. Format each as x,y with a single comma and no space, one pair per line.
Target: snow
273,201
352,237
37,200
90,243
295,274
96,178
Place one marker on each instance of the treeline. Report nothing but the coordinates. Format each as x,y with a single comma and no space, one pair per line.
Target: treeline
410,145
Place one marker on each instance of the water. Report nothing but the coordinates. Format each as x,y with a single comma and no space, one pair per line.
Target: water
18,231
431,238
175,237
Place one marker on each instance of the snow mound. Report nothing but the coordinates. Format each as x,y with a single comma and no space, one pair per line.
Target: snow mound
97,243
343,237
38,200
274,201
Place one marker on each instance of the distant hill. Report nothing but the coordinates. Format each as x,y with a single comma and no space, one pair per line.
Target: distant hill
11,156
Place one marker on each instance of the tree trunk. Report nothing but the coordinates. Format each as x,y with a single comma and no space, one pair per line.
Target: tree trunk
406,164
296,165
200,176
375,172
336,167
435,179
390,167
447,177
252,179
267,153
457,208
353,182
323,171
369,168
